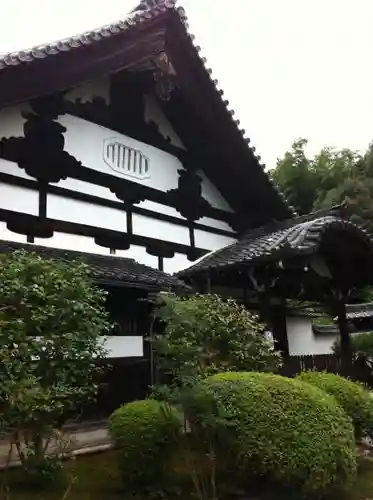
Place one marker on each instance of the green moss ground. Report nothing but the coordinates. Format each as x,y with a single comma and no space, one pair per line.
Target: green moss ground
363,490
98,479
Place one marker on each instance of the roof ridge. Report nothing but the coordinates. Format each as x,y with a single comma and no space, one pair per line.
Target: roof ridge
146,10
79,252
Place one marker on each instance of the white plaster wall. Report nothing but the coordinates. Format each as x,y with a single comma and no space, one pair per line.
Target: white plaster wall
211,193
81,212
210,241
159,208
88,90
85,141
177,263
124,347
11,168
218,224
7,235
303,341
86,188
154,113
11,121
157,229
140,255
75,242
19,199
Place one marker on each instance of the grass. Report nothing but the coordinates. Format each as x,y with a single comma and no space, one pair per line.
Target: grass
98,479
363,490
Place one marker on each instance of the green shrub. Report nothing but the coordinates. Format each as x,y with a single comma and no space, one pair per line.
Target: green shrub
287,431
147,432
353,397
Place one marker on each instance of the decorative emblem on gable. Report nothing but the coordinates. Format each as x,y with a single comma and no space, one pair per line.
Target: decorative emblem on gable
126,161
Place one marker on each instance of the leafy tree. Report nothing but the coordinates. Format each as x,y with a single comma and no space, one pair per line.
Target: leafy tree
51,320
329,178
205,334
294,176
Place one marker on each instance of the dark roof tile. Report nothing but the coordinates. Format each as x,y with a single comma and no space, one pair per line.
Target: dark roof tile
357,311
289,237
105,268
146,11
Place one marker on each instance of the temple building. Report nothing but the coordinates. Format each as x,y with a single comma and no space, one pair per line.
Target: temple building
117,146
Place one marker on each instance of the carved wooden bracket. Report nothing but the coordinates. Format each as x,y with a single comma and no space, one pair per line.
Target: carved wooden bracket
41,151
163,75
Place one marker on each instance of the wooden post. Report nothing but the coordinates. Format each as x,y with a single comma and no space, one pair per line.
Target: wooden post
279,330
275,315
346,349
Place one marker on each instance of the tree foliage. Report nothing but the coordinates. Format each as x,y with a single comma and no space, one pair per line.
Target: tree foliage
205,334
288,432
328,178
51,320
202,335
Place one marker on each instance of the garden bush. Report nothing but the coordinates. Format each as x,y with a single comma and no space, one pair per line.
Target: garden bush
353,397
147,433
289,432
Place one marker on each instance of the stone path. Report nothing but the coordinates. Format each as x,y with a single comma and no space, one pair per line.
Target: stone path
84,438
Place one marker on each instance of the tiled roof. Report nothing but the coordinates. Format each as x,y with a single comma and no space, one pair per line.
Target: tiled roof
105,268
357,311
325,329
287,238
146,11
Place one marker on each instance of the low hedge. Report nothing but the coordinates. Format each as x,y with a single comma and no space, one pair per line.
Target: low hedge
353,397
288,431
147,433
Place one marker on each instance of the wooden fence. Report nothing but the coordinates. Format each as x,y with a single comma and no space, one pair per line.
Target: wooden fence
357,370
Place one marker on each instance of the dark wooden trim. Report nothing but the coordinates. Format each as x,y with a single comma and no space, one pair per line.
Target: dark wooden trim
67,69
43,192
129,212
30,222
160,263
89,112
76,195
191,235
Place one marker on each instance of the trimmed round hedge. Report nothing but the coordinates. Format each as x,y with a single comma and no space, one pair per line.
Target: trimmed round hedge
353,397
287,431
147,433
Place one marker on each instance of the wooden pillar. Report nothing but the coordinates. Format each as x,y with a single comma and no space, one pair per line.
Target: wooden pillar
346,349
274,314
279,330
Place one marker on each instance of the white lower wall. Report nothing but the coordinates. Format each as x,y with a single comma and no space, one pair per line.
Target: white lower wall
81,212
302,339
124,347
19,199
166,231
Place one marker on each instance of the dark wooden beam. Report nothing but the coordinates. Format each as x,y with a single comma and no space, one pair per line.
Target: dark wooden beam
346,349
65,70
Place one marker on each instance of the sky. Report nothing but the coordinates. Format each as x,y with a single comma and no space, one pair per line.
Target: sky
290,68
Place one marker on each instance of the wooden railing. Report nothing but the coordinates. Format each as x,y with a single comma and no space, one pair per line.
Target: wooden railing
357,370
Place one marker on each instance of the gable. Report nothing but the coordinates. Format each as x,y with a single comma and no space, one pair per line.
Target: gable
154,39
104,191
145,161
156,117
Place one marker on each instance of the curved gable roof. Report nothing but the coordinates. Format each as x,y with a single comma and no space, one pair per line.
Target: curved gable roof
153,27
